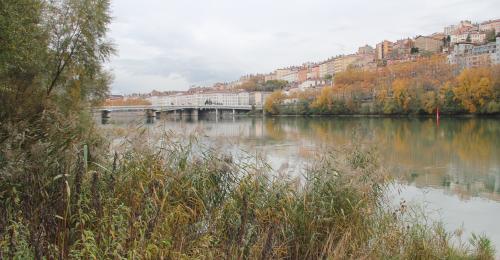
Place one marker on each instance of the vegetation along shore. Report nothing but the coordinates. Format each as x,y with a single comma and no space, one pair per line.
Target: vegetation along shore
65,192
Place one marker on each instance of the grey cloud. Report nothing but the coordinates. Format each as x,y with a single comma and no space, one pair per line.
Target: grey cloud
219,40
195,70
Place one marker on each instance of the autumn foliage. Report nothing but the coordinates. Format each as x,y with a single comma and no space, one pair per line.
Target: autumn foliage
127,102
414,87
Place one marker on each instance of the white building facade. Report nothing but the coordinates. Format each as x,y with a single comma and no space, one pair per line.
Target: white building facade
203,99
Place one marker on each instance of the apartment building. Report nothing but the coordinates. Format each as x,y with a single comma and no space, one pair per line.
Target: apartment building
490,25
402,48
384,50
343,62
472,37
326,68
313,72
468,55
367,49
293,76
302,74
364,61
429,44
201,99
281,73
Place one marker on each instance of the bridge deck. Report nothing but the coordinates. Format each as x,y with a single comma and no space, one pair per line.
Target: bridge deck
172,108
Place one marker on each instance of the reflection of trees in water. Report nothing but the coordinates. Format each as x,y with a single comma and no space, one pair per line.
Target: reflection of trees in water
460,155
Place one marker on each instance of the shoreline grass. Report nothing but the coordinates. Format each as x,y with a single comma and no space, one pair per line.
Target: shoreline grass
163,199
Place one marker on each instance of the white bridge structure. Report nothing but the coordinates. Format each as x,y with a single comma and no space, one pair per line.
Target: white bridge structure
192,105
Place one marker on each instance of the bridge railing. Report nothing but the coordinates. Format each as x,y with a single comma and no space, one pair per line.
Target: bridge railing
174,107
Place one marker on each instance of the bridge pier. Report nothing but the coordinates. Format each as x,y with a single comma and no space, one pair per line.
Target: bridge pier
158,114
150,113
105,114
194,114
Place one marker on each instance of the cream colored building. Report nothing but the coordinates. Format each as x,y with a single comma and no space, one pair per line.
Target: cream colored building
291,77
203,99
474,37
477,37
281,73
490,25
326,68
342,63
430,44
383,50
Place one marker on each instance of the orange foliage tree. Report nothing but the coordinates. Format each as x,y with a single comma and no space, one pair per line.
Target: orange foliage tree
474,88
273,101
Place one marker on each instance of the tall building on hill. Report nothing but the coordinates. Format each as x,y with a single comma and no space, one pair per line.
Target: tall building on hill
342,63
490,25
402,49
326,68
313,72
367,49
460,28
384,50
281,73
302,74
429,44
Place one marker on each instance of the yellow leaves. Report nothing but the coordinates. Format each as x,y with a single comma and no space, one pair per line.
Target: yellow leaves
474,88
401,95
429,102
272,102
324,99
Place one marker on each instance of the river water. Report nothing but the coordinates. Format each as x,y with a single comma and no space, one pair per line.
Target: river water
451,168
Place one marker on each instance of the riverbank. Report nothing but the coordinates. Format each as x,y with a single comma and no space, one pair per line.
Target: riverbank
172,201
382,115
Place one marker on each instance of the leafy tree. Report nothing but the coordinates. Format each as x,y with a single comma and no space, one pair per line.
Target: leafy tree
429,102
401,94
474,88
272,85
51,69
490,36
273,101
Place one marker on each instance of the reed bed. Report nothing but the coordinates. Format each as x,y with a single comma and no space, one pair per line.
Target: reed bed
169,199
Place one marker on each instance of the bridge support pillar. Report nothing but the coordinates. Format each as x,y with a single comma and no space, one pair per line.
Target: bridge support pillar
194,114
158,114
150,113
105,114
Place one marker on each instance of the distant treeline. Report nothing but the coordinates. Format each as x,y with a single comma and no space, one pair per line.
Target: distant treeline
416,87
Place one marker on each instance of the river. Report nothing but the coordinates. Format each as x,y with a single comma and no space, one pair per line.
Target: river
451,168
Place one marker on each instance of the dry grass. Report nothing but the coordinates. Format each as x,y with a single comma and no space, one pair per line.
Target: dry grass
179,200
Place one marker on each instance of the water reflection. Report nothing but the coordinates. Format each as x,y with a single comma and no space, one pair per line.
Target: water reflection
453,167
459,156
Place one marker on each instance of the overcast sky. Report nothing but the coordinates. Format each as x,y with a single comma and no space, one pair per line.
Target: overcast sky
171,45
